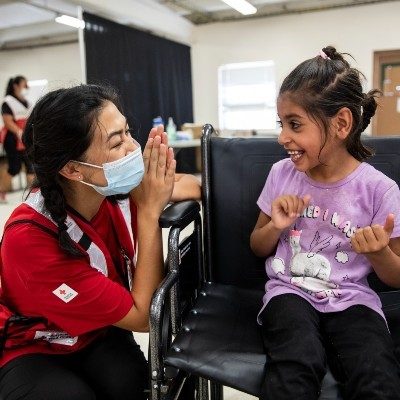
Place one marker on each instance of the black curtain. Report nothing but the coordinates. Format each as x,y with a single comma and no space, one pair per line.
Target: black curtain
152,75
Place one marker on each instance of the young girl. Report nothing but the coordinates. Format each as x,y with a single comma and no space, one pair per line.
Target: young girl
326,222
84,251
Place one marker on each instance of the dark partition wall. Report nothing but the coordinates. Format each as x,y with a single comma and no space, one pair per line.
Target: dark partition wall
152,74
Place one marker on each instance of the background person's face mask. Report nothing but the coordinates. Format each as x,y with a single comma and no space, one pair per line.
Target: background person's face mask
122,175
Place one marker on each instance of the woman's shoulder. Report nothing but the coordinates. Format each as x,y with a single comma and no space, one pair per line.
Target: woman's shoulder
24,220
28,242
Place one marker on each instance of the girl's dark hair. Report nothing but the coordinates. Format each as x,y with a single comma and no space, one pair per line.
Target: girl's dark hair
59,129
322,86
14,81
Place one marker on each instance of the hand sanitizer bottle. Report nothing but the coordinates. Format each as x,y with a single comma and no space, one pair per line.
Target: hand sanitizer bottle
171,129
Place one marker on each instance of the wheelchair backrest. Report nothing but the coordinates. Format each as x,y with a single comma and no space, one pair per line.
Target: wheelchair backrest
234,173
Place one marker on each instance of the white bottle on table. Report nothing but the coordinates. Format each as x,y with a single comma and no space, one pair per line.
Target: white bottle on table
171,129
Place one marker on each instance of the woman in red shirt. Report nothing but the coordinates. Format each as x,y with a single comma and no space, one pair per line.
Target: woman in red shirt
15,111
84,251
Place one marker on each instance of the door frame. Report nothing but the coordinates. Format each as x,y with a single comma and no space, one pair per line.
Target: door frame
382,57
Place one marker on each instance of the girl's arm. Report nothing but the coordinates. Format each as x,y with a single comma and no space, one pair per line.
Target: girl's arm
264,237
186,187
382,252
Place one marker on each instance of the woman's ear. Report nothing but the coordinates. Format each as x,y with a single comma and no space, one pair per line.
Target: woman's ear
70,171
343,122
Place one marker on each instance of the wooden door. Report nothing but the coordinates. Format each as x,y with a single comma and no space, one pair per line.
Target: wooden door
387,79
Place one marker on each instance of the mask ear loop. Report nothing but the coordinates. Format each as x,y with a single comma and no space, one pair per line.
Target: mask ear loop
88,164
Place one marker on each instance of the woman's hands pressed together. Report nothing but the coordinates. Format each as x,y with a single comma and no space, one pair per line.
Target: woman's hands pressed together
155,191
150,197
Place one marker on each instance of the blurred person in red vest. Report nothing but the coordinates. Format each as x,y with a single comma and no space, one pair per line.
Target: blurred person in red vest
15,110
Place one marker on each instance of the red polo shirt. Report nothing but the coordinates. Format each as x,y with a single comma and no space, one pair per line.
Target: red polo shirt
40,279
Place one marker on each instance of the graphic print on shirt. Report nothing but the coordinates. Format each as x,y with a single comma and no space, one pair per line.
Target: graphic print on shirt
309,269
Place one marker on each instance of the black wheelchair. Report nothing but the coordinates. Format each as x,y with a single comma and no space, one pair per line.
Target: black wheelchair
203,329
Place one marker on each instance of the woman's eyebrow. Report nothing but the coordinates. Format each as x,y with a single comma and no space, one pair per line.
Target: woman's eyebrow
115,133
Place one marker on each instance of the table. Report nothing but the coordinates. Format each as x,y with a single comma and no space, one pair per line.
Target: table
181,144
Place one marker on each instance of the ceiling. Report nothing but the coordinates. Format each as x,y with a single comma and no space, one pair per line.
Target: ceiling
206,11
31,22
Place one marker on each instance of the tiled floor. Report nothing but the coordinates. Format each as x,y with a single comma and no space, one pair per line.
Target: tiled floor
142,338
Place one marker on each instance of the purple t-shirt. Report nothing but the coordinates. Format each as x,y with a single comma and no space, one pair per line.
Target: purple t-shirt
314,258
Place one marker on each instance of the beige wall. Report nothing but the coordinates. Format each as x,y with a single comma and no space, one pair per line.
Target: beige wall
60,65
288,40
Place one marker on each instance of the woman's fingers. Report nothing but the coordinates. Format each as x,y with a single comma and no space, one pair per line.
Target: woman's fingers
156,131
159,131
164,138
161,158
170,173
162,161
147,153
153,161
170,156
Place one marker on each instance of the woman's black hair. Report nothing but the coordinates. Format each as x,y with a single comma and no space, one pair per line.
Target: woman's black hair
324,85
59,129
14,81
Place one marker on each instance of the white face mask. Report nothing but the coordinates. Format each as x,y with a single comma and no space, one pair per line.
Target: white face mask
24,92
122,175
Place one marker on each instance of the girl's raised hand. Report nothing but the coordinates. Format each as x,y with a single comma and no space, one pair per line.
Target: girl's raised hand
374,238
286,209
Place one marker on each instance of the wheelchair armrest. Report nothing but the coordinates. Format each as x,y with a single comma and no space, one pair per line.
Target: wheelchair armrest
179,214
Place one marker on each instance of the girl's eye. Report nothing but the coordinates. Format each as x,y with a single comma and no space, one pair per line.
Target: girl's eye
279,122
295,125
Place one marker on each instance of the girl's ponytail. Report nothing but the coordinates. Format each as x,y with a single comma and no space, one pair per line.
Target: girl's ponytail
369,105
334,55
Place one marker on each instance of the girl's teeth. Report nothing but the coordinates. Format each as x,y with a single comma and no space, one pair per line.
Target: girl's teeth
295,154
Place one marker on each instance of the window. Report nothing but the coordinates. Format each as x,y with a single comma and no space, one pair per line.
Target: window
247,96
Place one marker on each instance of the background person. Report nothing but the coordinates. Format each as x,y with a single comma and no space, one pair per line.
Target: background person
15,111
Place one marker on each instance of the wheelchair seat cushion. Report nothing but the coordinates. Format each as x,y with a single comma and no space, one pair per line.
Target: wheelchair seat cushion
220,340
